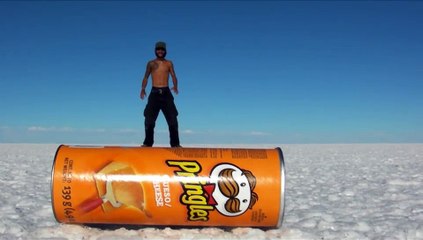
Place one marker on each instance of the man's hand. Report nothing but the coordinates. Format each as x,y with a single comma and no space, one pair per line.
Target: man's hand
142,94
175,90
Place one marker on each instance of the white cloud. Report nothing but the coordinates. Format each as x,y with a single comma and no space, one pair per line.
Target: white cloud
86,130
95,130
37,129
259,133
128,130
188,131
49,129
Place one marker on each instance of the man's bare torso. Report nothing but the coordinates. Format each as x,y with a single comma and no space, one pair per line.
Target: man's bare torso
160,70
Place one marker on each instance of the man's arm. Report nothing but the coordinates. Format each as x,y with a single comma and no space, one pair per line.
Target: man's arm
174,79
145,80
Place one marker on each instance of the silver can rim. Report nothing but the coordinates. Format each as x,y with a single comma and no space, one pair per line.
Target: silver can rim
282,203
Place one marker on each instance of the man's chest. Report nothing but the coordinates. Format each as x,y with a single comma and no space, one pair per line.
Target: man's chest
160,66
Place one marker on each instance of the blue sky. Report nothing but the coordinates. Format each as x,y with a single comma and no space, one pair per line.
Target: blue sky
249,72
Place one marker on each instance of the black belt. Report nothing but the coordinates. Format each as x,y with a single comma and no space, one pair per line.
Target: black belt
160,90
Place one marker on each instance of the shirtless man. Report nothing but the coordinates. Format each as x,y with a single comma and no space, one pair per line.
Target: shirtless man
160,97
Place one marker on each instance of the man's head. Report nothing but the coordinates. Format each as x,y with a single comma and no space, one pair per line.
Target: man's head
160,49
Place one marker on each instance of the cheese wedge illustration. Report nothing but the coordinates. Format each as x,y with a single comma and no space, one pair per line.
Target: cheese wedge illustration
116,187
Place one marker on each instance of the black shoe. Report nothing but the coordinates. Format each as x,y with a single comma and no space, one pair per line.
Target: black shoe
146,145
177,146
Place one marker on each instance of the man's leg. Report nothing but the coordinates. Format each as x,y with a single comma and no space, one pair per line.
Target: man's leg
171,113
151,112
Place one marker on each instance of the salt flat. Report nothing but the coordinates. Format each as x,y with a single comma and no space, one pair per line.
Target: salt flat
351,191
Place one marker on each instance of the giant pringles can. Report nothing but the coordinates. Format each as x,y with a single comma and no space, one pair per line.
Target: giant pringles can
228,187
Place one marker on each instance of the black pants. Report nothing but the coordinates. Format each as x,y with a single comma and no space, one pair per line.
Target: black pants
161,99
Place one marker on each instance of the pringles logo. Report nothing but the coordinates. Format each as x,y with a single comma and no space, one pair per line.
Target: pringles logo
228,189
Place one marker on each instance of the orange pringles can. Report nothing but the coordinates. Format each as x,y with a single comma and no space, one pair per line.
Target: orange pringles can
228,187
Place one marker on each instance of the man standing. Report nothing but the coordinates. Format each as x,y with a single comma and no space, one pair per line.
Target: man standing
160,97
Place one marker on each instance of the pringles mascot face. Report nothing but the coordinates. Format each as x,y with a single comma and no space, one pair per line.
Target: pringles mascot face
234,192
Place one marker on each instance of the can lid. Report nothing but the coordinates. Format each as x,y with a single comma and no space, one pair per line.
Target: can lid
52,181
282,204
